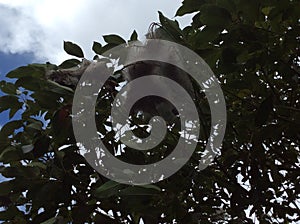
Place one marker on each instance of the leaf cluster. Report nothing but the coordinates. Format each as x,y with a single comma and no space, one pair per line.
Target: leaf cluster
253,49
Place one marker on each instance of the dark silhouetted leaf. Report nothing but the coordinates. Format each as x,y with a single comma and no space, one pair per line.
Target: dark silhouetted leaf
113,39
108,189
189,6
73,49
264,111
97,48
213,15
69,63
30,70
8,87
9,102
134,36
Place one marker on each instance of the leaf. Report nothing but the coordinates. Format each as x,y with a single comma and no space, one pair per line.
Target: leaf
29,83
107,185
108,189
264,111
113,39
213,15
22,171
81,213
171,26
30,70
134,36
201,39
230,156
138,190
41,146
97,48
73,49
10,213
189,6
12,112
243,93
9,102
229,55
6,187
10,127
229,5
46,99
60,89
96,58
27,148
266,10
62,124
249,10
211,56
151,186
50,221
8,87
10,154
70,63
107,47
35,125
4,142
43,67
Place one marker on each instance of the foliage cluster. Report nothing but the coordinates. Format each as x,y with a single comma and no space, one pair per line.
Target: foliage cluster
253,49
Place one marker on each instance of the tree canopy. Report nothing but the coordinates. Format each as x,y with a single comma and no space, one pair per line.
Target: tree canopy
252,48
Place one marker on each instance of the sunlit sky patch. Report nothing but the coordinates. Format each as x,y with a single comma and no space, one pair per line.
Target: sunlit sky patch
40,26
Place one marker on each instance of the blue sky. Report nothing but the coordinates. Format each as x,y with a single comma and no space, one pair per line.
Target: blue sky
9,62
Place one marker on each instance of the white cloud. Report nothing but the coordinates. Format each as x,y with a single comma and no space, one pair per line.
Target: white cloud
40,26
